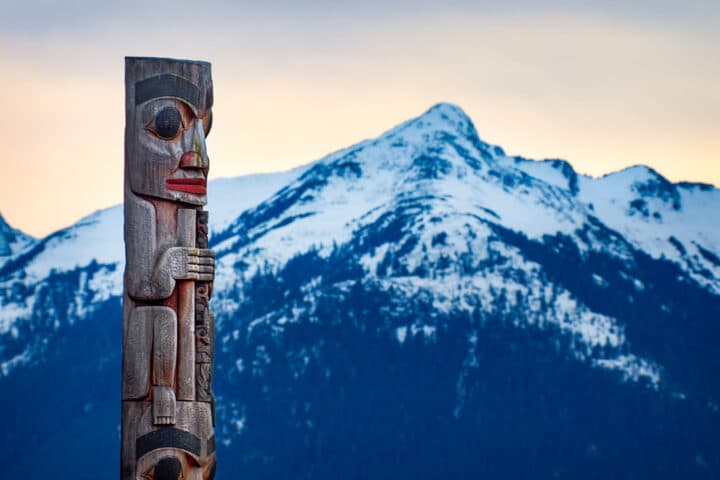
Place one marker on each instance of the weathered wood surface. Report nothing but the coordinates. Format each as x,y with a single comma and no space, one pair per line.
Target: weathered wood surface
168,411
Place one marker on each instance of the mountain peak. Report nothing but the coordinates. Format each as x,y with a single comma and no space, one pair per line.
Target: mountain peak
646,183
446,117
11,239
447,112
5,237
3,223
442,124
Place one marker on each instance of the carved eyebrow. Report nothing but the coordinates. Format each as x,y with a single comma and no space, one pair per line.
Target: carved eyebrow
166,85
168,437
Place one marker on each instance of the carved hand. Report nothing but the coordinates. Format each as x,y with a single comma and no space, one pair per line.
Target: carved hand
188,263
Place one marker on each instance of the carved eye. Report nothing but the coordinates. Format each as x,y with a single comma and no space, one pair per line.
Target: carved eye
167,123
167,469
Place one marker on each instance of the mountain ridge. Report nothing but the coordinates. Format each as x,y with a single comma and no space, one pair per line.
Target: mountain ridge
442,108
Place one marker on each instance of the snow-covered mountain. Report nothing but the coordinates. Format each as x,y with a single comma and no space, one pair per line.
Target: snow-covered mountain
416,304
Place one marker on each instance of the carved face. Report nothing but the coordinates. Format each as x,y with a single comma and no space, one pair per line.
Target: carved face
166,139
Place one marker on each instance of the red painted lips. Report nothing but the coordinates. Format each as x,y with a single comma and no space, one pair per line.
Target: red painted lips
197,186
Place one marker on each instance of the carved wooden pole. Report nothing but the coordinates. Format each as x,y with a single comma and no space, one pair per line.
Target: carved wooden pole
168,409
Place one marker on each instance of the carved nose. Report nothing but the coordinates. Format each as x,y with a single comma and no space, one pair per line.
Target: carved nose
191,160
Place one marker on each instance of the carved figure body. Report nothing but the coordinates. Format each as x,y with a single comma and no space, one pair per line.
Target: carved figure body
168,407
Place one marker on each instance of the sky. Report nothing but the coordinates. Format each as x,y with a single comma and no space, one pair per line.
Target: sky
602,84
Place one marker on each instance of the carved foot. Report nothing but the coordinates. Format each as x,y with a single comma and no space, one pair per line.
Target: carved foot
163,406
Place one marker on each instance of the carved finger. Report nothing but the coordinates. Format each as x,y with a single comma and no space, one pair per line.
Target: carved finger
164,420
205,268
201,260
193,268
204,252
206,277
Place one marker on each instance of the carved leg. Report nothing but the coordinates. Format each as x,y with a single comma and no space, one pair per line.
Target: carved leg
164,365
137,353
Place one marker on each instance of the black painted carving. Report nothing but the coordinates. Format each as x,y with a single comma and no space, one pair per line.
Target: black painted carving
168,437
210,445
166,86
167,469
167,122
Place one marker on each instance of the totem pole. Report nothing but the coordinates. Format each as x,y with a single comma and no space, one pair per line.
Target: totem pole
168,409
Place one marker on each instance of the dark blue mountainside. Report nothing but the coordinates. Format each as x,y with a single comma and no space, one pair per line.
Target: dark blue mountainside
420,305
